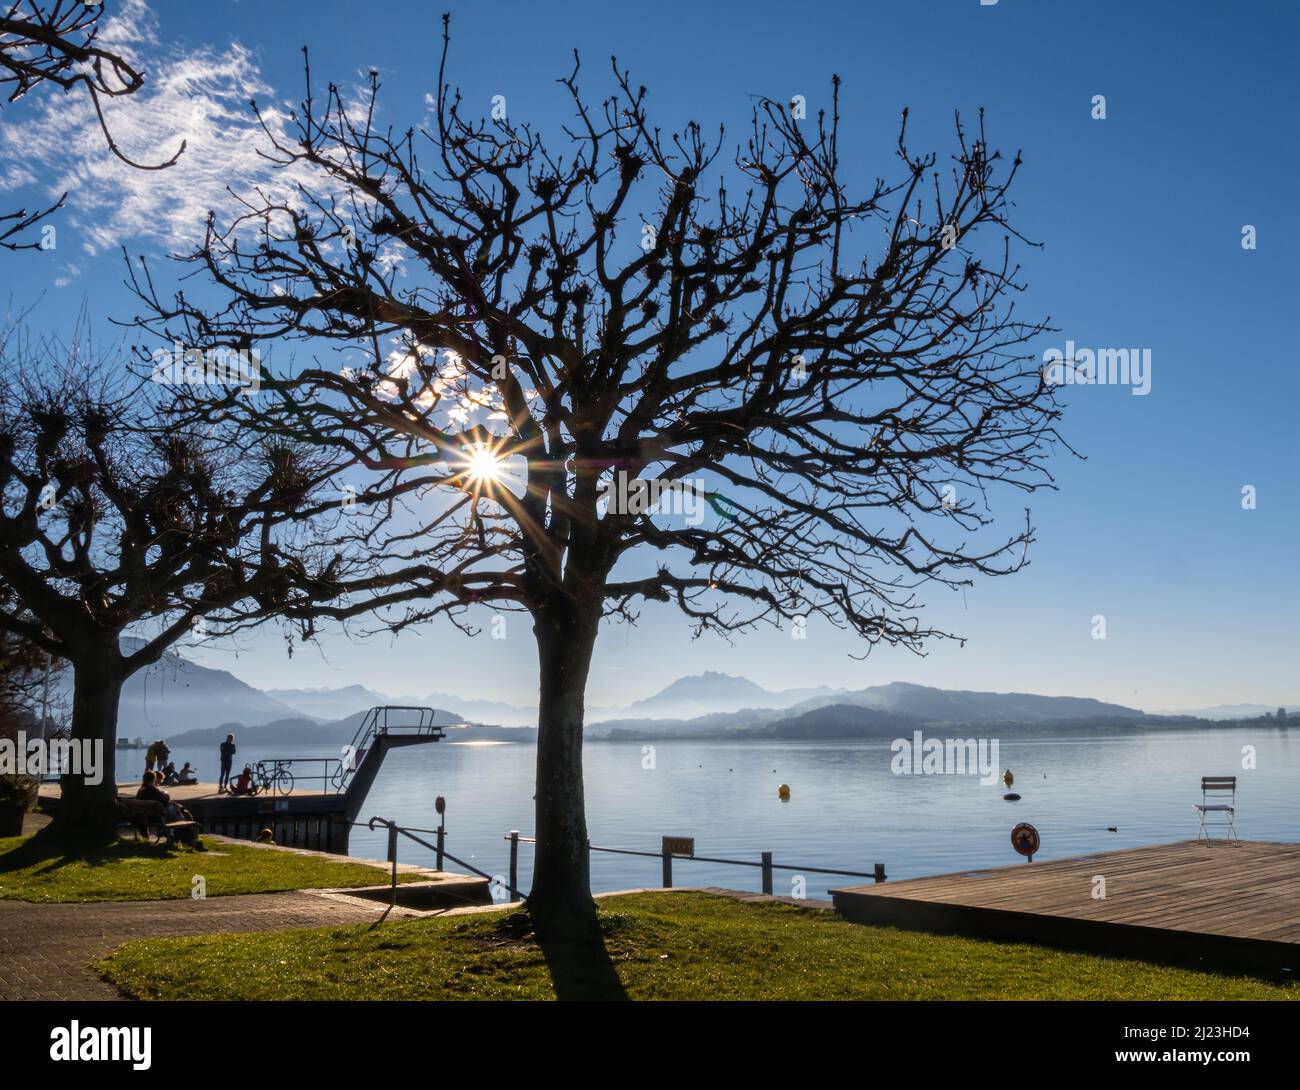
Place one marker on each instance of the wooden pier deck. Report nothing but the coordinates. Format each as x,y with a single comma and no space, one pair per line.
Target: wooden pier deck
1237,903
302,818
194,792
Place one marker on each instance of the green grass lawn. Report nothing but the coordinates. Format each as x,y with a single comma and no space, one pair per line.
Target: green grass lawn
657,946
130,871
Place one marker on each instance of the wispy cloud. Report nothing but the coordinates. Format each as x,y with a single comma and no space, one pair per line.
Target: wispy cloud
199,95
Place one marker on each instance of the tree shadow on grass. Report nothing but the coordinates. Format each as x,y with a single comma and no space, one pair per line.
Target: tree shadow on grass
582,969
46,852
580,965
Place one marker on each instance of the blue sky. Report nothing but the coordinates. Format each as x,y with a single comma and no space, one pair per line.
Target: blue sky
1141,215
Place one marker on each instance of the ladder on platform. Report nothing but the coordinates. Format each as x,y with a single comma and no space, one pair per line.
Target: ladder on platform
389,721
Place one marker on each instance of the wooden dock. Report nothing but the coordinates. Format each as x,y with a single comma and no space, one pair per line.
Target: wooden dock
317,819
1233,903
299,819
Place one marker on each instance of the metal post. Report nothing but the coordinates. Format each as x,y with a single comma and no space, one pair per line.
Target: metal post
879,872
668,869
440,804
767,873
392,857
514,864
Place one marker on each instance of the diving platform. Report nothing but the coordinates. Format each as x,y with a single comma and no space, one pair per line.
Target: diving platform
306,802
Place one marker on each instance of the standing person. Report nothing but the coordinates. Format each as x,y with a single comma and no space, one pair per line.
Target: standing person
227,759
157,753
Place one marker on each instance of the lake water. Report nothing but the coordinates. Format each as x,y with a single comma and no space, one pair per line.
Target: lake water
846,808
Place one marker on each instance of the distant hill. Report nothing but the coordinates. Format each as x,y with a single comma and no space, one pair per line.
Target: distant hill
703,726
916,703
291,731
963,706
884,710
177,698
1237,711
329,703
480,711
919,702
176,693
708,690
709,693
281,732
836,721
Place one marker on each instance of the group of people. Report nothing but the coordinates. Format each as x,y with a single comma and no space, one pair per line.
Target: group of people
168,775
186,775
159,753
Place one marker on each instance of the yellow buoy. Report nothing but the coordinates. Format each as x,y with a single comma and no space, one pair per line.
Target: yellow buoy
1007,778
783,791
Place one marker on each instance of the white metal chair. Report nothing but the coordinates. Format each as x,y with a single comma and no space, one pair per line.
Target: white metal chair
1215,787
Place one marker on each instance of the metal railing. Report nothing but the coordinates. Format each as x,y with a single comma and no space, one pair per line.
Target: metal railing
671,849
667,854
440,850
277,775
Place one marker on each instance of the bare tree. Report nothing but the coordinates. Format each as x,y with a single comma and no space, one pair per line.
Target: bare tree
114,520
555,339
23,664
57,43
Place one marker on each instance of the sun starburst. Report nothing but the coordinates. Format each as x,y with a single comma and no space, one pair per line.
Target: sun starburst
484,466
481,465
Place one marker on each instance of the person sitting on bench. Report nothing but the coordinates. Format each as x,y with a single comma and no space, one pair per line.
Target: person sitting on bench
243,783
150,792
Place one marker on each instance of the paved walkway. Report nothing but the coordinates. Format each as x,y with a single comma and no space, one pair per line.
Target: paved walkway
46,950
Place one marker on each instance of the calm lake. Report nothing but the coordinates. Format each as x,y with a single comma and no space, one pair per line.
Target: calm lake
846,808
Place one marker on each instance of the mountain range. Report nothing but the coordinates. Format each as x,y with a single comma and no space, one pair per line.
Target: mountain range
175,691
331,703
874,710
179,699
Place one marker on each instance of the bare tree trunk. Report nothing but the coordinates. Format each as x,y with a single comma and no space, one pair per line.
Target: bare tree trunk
560,900
89,811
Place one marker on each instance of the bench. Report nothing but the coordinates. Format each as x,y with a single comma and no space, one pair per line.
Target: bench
144,815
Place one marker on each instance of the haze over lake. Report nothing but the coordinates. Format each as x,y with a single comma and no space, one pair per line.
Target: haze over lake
847,809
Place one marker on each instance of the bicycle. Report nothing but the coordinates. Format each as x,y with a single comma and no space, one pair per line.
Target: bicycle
278,780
